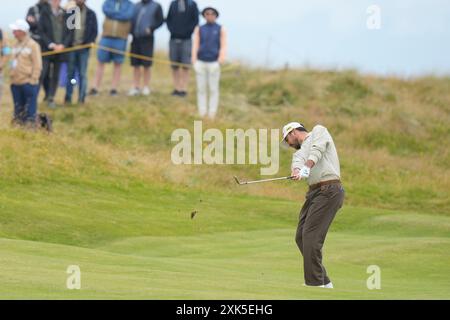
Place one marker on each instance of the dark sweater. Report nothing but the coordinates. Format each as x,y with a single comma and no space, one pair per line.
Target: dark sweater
35,12
182,24
47,32
91,27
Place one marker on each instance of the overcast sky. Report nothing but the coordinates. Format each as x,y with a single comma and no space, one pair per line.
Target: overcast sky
414,38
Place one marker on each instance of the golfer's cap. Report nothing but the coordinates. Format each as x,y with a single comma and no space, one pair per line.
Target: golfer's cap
289,128
21,25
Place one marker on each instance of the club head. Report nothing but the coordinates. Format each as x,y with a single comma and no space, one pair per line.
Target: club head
237,180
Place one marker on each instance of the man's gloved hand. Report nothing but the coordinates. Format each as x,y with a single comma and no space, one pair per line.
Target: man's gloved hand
304,172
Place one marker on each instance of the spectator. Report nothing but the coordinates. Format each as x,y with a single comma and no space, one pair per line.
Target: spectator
181,21
4,53
148,16
78,60
208,53
55,36
26,67
116,28
33,17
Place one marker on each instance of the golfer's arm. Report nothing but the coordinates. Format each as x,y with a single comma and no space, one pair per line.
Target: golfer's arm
320,138
310,164
298,160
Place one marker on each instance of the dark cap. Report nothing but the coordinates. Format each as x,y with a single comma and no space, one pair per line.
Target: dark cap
210,8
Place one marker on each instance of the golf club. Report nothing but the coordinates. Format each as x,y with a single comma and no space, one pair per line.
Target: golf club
260,181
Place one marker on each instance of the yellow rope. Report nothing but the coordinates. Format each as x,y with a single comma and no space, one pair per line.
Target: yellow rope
75,48
124,53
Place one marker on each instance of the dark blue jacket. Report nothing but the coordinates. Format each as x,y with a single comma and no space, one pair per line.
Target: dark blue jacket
147,18
182,24
209,42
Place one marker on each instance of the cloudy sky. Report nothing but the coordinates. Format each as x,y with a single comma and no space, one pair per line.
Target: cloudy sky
414,38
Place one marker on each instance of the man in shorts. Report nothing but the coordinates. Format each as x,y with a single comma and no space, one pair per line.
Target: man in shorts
113,44
181,20
148,16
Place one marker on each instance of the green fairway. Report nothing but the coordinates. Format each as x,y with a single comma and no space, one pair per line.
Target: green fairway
141,243
102,193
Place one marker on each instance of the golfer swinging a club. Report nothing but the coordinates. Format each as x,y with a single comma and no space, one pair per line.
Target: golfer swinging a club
317,162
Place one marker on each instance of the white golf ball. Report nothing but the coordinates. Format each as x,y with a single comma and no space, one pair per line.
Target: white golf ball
73,82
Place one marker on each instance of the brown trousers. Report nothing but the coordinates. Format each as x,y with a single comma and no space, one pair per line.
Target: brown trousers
317,213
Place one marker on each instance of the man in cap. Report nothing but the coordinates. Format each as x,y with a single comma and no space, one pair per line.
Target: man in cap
25,70
316,161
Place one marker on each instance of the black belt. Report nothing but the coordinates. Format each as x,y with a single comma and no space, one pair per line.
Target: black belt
323,183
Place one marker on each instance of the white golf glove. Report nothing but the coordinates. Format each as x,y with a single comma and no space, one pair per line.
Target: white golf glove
304,172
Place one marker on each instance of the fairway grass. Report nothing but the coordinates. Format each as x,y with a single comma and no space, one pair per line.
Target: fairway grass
140,243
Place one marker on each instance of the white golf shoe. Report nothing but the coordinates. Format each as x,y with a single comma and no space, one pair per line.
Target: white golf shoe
326,286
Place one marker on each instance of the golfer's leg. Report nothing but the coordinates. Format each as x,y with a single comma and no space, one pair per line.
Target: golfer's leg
301,223
320,215
214,82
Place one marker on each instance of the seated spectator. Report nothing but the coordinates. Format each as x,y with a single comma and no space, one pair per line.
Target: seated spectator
25,69
148,16
116,28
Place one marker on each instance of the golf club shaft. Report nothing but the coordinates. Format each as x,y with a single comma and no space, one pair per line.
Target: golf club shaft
266,180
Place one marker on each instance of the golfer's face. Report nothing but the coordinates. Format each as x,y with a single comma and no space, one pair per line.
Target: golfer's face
292,141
